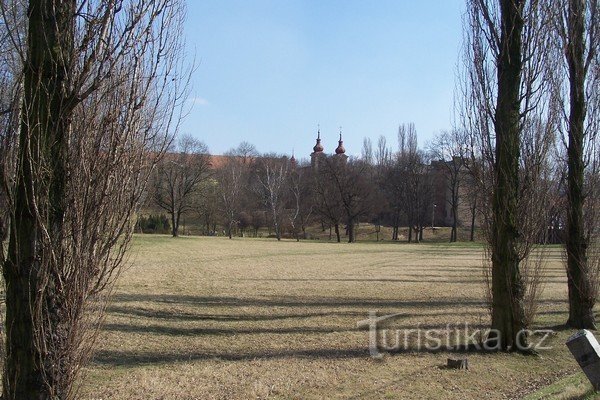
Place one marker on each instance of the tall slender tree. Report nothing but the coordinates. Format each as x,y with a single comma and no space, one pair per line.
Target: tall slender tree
508,318
504,101
576,76
94,85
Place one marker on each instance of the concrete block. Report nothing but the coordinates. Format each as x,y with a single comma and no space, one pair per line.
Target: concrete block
586,350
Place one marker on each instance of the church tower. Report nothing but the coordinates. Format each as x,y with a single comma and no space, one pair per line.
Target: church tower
340,151
317,153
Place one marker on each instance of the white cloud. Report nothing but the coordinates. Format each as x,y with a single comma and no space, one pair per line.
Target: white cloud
198,101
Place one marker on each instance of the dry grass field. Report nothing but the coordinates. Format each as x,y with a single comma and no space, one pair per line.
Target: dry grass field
211,318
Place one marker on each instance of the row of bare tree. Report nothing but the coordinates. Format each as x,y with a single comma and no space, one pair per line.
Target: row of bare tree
529,101
245,190
250,191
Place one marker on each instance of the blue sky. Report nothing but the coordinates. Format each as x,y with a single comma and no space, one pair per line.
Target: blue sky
269,71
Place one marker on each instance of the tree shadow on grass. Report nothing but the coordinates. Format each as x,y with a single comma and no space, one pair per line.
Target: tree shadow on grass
189,316
132,358
220,331
170,315
221,324
294,301
168,330
406,278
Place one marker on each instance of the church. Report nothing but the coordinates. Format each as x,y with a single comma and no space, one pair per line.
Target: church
319,154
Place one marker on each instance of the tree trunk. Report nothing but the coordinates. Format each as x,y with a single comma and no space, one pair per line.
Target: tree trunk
454,207
454,233
30,370
175,222
275,222
410,233
351,232
337,233
508,317
581,297
473,215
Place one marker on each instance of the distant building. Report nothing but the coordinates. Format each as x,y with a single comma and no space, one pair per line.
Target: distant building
318,154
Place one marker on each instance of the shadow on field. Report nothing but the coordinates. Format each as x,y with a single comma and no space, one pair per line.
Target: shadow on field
204,331
425,279
292,301
131,358
162,316
187,316
410,278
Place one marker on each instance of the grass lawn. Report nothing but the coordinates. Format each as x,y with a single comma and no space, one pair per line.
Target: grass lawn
212,318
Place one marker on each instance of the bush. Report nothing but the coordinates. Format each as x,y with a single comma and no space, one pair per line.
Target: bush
153,224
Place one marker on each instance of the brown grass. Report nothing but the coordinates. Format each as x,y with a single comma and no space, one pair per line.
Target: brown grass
210,318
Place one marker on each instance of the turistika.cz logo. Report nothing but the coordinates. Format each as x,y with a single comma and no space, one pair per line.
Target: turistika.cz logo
453,337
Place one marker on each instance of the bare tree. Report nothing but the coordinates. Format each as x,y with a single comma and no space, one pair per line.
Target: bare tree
449,149
327,201
393,185
179,177
229,184
271,176
300,201
245,151
414,180
367,151
575,74
506,51
383,154
93,86
207,205
351,189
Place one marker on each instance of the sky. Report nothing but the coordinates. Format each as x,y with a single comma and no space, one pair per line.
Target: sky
270,71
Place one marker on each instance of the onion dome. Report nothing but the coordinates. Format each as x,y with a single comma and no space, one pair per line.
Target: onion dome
318,147
340,149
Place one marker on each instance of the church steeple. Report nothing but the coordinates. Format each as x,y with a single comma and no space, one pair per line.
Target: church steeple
340,149
317,153
318,147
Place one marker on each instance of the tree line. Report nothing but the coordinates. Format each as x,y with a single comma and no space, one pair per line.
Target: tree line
246,191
